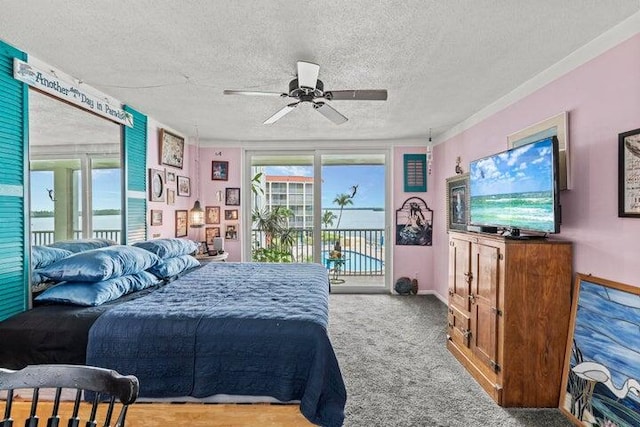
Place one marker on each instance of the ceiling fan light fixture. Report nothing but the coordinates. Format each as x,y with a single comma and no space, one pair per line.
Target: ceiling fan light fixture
308,74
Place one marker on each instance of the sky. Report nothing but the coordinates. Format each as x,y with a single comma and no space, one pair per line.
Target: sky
524,169
339,180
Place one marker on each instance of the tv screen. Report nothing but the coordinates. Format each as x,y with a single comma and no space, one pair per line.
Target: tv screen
517,189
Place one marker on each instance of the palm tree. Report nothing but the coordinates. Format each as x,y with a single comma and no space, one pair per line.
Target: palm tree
342,200
279,238
327,218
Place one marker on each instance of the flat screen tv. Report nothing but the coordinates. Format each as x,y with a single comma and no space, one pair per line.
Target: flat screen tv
517,189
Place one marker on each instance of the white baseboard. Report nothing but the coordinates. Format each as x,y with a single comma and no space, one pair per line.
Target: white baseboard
434,293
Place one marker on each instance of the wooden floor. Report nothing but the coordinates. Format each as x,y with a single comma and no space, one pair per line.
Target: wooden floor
189,414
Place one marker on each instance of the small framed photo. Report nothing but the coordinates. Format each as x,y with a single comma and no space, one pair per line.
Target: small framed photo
171,196
232,197
458,202
170,176
156,217
629,174
231,214
156,185
184,186
171,149
181,223
210,233
219,171
212,214
231,232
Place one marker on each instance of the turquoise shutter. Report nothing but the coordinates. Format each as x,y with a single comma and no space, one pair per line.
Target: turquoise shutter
135,173
415,173
14,244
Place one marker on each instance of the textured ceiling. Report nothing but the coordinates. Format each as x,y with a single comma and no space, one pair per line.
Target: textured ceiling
441,61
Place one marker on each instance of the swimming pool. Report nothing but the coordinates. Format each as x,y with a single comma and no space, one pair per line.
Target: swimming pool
356,262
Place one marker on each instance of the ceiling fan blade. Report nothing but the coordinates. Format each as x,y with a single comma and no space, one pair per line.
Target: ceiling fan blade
280,114
357,95
330,113
253,92
308,74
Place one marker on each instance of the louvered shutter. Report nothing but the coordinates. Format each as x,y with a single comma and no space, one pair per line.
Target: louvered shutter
135,165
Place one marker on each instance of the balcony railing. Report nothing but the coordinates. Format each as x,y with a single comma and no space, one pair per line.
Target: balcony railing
46,237
362,251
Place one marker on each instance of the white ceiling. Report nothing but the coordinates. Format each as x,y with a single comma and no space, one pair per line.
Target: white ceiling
441,61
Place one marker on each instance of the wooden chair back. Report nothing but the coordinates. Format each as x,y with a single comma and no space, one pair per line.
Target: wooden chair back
106,388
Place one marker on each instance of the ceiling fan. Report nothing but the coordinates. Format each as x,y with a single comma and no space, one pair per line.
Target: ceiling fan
308,88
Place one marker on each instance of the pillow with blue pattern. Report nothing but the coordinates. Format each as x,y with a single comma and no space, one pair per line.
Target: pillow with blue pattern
168,247
42,256
170,267
81,245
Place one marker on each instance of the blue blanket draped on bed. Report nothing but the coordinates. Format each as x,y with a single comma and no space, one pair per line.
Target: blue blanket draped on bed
233,328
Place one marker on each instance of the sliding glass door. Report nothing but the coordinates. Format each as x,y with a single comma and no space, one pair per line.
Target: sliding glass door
324,207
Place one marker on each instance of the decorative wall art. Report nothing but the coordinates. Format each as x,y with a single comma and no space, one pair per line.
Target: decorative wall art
415,173
629,174
553,126
232,197
458,202
601,377
184,186
156,217
212,214
181,223
171,196
156,185
231,214
414,223
171,149
170,176
210,233
231,232
219,171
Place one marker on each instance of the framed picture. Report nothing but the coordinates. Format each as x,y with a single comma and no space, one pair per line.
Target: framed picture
171,196
231,214
219,171
210,233
156,185
232,197
553,126
414,223
171,149
601,375
231,232
170,176
156,217
184,186
458,202
212,214
181,223
629,174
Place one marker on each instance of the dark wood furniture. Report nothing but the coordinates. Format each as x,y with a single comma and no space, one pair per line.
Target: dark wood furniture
106,384
508,317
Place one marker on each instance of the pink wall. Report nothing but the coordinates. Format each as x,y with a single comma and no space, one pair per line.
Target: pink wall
602,98
411,261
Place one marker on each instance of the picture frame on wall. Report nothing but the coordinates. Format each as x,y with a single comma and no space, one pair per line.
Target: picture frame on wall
629,174
601,368
170,176
212,214
231,214
231,232
219,170
232,196
458,198
181,222
184,186
171,149
210,233
557,126
156,217
414,223
156,185
171,197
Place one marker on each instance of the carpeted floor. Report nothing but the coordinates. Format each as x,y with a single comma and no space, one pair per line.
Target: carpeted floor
398,371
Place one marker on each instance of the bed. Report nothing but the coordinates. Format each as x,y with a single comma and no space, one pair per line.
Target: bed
247,329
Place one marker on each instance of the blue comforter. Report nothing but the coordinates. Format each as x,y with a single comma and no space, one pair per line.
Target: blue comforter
233,328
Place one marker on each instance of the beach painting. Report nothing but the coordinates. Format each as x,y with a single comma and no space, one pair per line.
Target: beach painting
601,378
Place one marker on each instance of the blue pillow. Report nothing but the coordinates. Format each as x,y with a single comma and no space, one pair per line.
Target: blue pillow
168,248
170,267
81,245
93,294
41,256
100,264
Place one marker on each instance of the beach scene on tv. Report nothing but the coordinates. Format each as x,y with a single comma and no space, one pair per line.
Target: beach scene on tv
515,189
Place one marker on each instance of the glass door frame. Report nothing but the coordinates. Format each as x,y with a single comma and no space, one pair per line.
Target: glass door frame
317,154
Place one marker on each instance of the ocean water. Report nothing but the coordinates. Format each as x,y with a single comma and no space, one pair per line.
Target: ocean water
100,222
527,211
